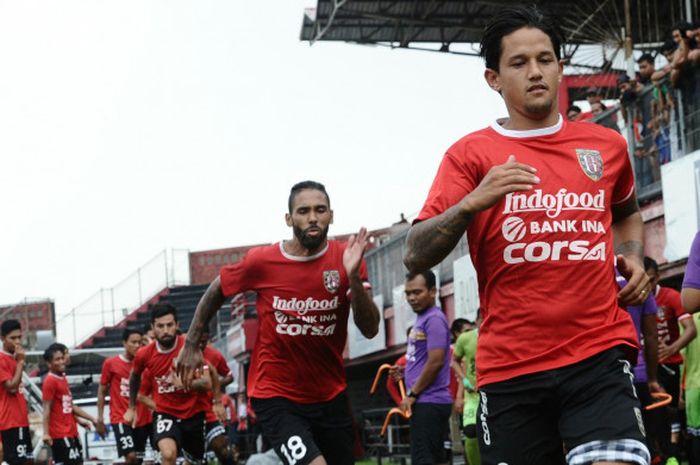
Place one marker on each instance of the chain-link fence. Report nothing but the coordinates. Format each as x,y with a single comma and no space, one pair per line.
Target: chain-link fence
107,307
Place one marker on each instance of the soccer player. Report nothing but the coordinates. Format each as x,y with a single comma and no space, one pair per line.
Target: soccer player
546,204
467,394
214,412
115,380
60,426
305,287
670,316
179,415
14,422
427,372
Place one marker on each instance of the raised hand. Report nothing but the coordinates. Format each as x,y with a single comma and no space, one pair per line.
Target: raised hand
352,257
500,181
19,353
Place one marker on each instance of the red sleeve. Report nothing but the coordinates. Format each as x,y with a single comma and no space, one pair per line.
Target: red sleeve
106,377
624,185
47,390
453,181
140,360
221,366
236,278
5,372
393,390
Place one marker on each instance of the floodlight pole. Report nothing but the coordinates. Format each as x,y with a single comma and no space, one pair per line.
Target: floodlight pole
629,59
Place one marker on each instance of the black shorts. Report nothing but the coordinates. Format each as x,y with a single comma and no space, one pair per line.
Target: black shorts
590,407
212,430
129,439
430,424
17,445
141,435
301,432
187,433
67,451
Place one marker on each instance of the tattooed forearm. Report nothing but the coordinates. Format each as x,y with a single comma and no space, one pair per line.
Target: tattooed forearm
430,241
208,305
631,249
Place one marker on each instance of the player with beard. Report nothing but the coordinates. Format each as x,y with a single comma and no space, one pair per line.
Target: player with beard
179,415
548,206
305,287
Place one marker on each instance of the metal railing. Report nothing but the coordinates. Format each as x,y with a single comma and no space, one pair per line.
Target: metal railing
107,307
669,132
386,269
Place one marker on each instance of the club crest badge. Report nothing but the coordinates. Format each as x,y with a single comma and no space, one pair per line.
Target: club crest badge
331,280
591,163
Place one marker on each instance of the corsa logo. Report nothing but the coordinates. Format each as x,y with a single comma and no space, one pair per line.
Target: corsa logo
305,329
558,250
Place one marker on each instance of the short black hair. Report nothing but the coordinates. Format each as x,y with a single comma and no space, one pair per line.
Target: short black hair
428,275
682,27
162,309
59,346
668,46
8,326
146,328
650,263
128,332
646,57
303,185
457,324
52,349
510,19
575,108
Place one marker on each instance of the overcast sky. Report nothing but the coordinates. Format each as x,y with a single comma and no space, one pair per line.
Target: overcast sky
129,127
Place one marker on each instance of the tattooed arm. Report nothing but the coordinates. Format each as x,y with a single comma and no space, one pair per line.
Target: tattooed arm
190,358
429,241
628,235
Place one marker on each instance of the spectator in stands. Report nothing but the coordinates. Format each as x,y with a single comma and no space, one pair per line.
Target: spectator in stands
597,109
14,422
636,110
684,35
647,107
573,113
427,372
60,427
593,95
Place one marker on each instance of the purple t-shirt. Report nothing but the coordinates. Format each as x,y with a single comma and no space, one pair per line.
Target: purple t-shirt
637,313
430,331
692,270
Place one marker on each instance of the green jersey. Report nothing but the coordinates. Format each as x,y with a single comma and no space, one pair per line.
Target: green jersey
465,348
692,360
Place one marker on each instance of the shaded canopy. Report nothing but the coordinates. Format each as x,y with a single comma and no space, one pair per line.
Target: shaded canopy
447,23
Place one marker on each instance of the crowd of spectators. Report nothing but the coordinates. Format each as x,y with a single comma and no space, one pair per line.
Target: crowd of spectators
660,106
